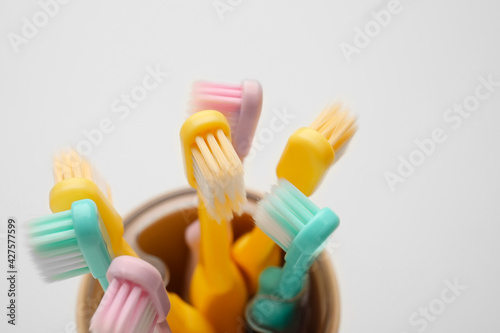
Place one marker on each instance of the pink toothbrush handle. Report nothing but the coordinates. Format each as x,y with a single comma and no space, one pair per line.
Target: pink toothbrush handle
192,238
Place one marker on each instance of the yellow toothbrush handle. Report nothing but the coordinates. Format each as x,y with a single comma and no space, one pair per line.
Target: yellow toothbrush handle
254,252
215,244
184,318
217,288
67,191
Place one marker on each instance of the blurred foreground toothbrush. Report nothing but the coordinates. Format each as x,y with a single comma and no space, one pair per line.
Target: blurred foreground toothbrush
215,171
308,155
241,104
76,180
310,151
135,302
301,229
72,243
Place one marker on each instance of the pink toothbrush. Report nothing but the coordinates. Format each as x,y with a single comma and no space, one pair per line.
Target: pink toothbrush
241,104
135,302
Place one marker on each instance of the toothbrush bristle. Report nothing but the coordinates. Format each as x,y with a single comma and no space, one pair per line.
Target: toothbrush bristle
225,98
268,224
336,124
219,175
69,164
282,213
55,250
125,308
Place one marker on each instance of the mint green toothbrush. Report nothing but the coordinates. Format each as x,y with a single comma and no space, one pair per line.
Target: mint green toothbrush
301,229
72,243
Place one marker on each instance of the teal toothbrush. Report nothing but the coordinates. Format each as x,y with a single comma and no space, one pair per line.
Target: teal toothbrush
72,243
301,229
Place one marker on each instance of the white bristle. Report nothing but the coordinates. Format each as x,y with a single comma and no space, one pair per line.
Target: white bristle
55,250
125,308
219,176
147,319
60,267
269,225
282,213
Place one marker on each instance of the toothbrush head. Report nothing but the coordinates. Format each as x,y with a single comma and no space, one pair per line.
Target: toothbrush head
136,300
310,151
211,164
76,179
294,222
241,104
72,243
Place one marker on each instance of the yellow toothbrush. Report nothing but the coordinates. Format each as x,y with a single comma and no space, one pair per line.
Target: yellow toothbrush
75,180
212,166
308,155
185,318
310,151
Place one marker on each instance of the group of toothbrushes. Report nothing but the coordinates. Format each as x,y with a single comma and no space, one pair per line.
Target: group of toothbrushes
228,280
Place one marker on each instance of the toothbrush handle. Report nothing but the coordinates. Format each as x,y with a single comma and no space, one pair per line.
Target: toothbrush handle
127,250
215,247
292,279
269,311
104,283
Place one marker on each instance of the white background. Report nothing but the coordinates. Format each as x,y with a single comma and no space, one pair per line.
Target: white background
394,250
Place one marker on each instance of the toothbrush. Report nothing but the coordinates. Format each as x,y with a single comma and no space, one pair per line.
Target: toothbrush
301,229
135,302
72,243
310,151
76,180
308,155
241,104
211,164
213,168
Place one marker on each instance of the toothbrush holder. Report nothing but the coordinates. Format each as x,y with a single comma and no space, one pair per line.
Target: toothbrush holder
156,231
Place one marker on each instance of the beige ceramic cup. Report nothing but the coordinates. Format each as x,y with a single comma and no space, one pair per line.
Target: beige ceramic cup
156,231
